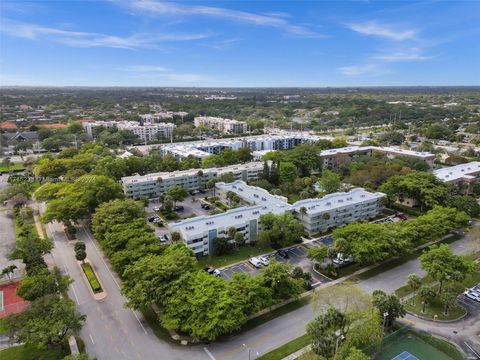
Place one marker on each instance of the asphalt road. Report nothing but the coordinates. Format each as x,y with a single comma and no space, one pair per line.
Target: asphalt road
111,331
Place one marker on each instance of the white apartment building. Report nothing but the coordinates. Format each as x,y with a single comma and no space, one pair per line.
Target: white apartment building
148,132
462,176
225,126
145,132
202,149
337,209
343,208
155,184
335,157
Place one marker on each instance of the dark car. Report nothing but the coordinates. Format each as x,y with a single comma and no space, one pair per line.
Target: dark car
151,218
212,271
282,253
179,208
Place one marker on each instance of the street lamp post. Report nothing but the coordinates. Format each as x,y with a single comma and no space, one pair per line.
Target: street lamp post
248,349
340,337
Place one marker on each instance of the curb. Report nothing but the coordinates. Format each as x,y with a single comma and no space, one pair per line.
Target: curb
99,296
440,321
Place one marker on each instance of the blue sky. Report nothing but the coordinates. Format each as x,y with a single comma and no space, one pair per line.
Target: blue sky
239,43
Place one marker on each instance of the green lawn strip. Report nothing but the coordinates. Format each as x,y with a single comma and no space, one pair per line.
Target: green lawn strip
406,289
242,253
154,322
259,320
287,349
92,279
24,352
3,330
435,307
399,261
13,167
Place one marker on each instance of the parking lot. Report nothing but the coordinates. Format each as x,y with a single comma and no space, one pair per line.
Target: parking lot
297,256
324,240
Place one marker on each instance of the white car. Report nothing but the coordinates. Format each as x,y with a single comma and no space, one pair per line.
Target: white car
255,262
341,259
264,260
472,295
156,209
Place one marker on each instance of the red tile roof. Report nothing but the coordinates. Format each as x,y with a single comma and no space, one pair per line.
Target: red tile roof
8,125
54,126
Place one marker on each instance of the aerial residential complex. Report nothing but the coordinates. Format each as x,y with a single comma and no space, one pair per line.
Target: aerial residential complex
155,184
332,158
202,149
198,233
225,126
146,132
461,176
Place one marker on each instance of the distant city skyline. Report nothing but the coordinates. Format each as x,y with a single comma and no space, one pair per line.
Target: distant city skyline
239,43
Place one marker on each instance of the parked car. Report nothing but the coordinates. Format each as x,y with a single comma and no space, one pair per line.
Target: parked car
255,262
163,238
342,260
179,208
157,220
151,218
264,260
156,208
212,271
201,191
205,206
476,288
472,295
282,253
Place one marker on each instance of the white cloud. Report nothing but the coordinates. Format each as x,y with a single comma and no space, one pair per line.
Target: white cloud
151,72
373,69
145,68
374,28
414,54
168,8
90,39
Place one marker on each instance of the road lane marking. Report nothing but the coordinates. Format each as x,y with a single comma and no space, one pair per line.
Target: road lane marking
234,351
75,294
143,327
210,355
91,338
101,257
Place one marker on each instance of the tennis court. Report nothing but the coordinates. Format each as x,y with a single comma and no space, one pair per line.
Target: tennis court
10,303
410,347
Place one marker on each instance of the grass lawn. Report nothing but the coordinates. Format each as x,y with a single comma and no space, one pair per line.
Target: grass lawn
92,279
415,306
13,167
287,349
154,323
24,352
242,253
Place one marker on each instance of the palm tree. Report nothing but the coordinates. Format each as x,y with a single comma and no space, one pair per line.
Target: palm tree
426,294
326,216
8,271
414,281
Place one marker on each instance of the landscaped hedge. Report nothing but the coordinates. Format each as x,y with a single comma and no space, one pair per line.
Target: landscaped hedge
442,345
92,279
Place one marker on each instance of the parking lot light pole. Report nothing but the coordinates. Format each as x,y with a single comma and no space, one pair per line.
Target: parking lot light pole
248,349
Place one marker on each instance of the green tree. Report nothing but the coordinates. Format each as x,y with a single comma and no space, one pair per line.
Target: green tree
326,331
42,283
277,277
280,230
176,193
80,255
288,172
414,281
318,253
465,203
389,307
147,279
426,295
441,263
8,271
48,321
118,211
448,299
355,354
330,181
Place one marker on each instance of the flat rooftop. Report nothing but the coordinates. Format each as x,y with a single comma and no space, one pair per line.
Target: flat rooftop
336,200
256,165
255,195
392,150
462,171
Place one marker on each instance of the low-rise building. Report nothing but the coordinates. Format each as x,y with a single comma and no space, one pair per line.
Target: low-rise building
342,208
225,126
333,158
147,132
155,184
462,176
337,209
